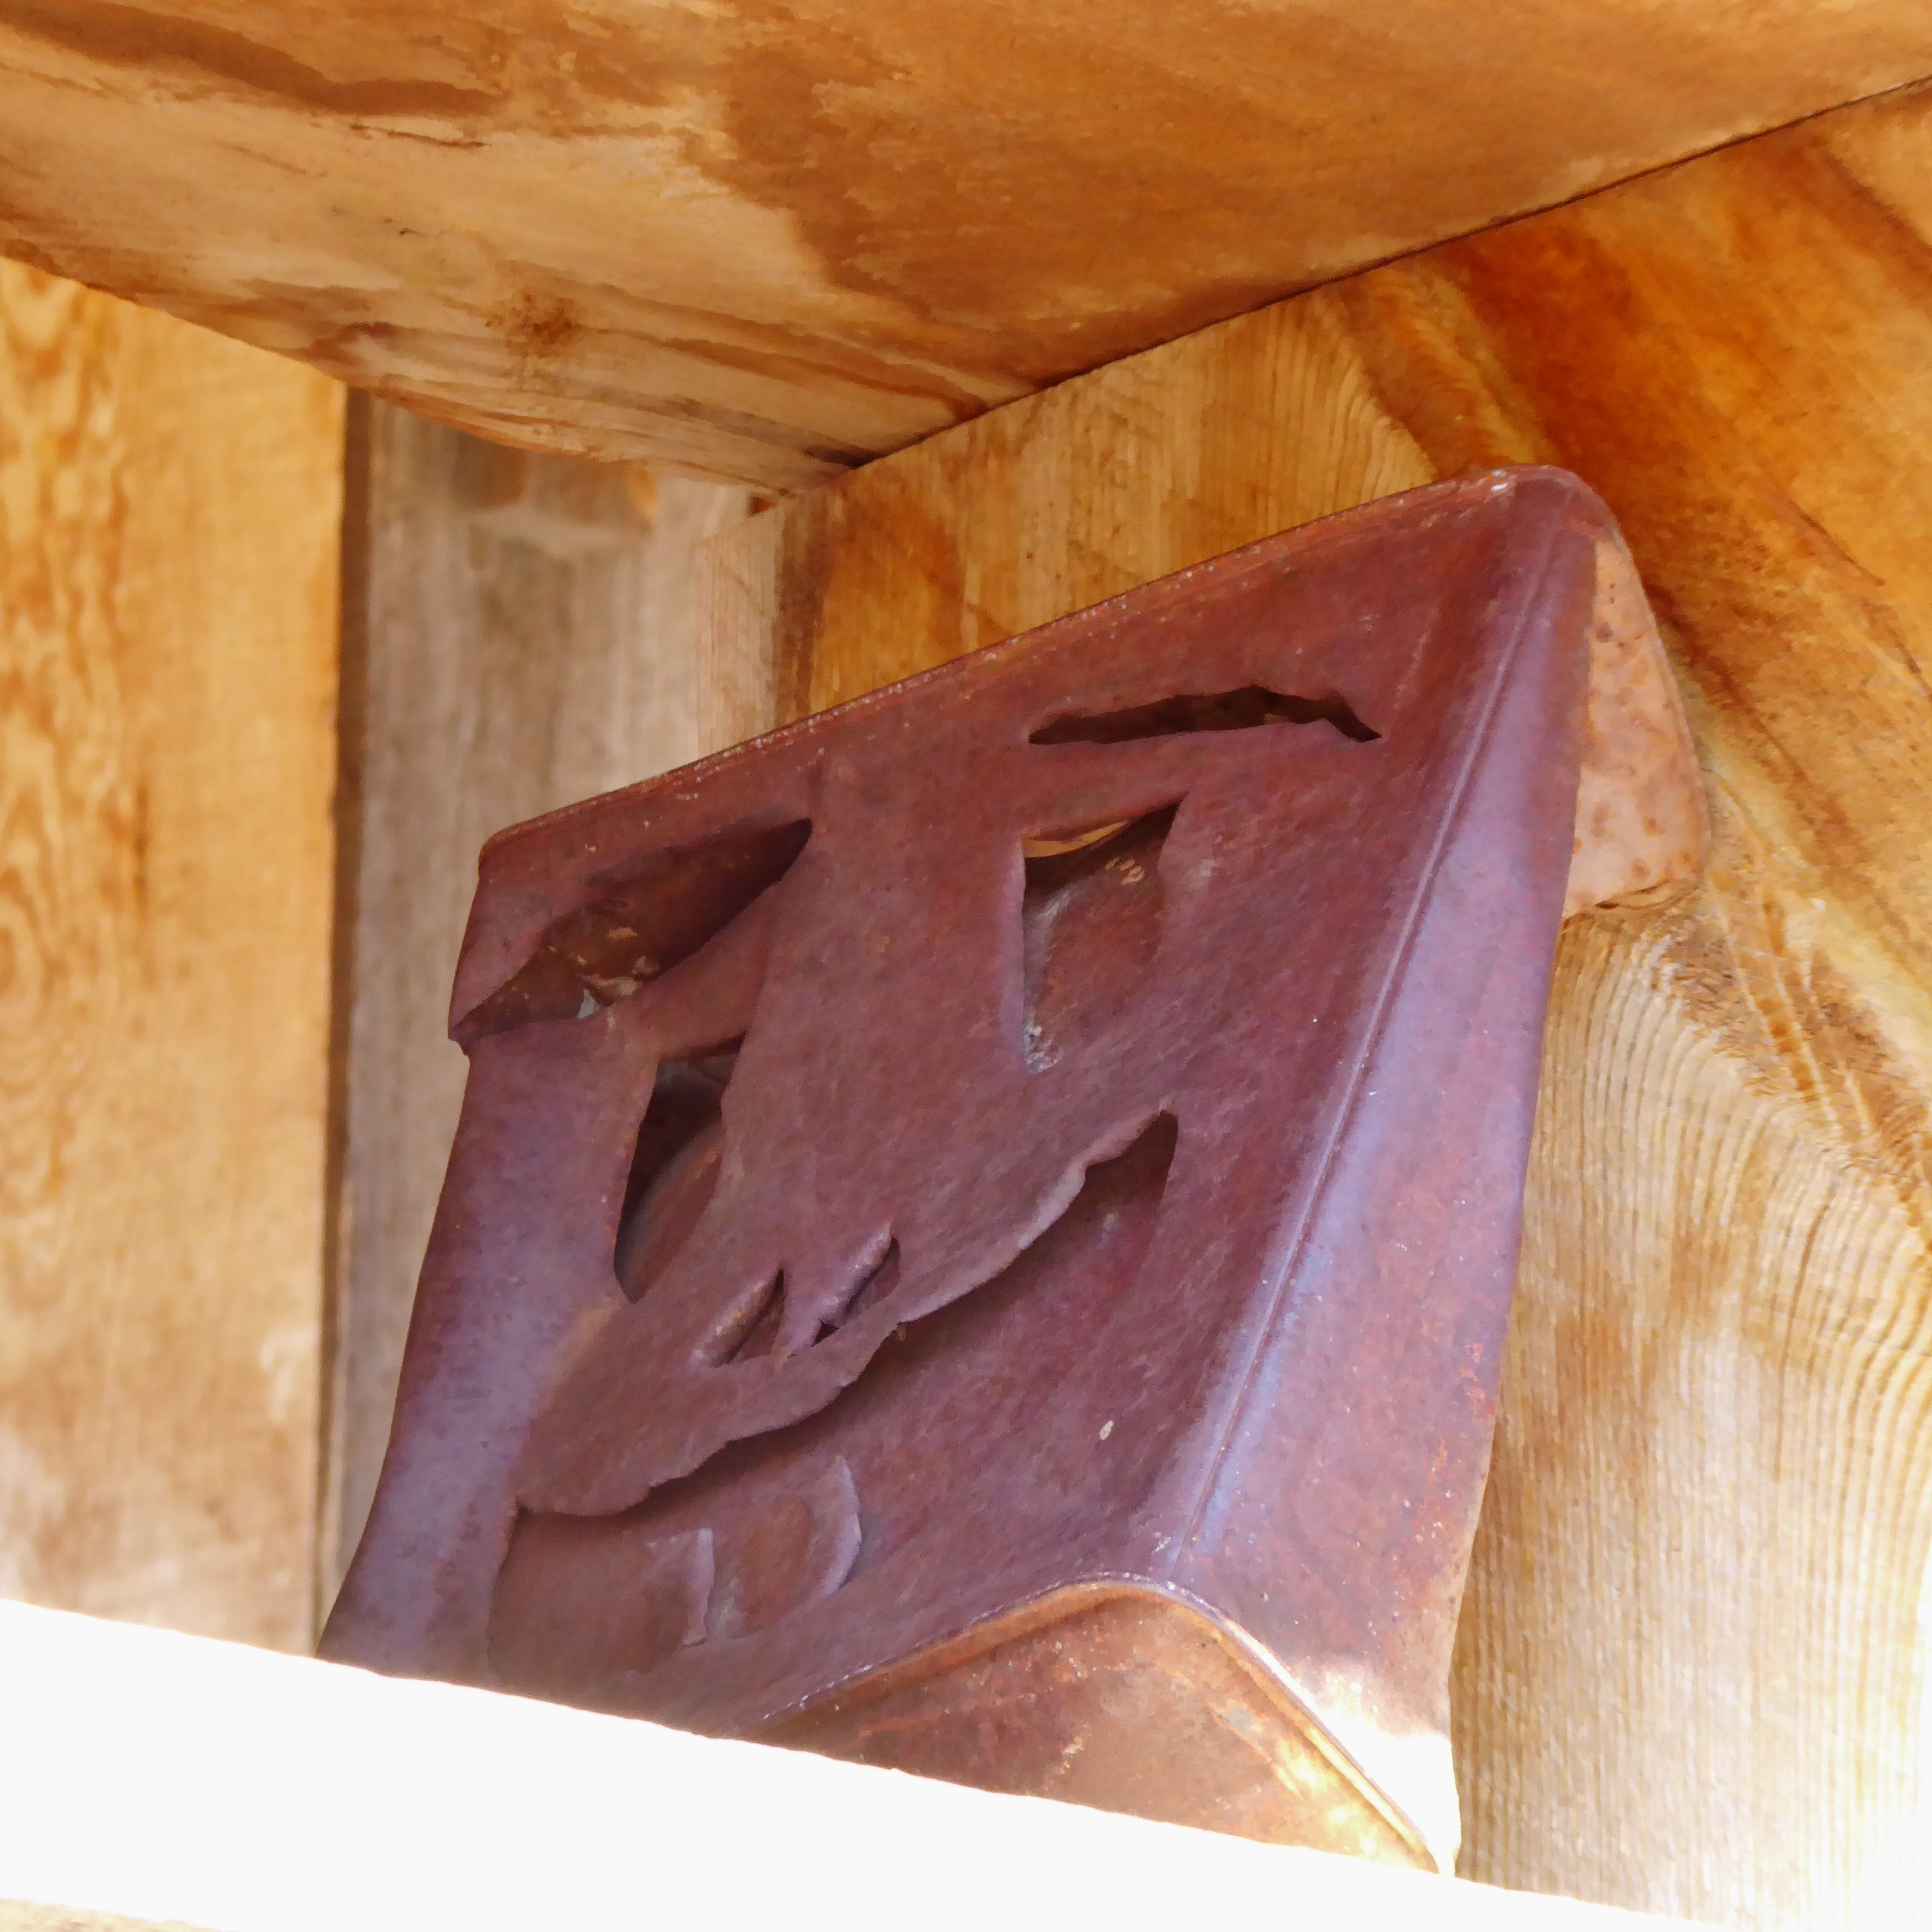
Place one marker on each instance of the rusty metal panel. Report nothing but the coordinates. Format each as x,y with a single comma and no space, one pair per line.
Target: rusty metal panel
982,1223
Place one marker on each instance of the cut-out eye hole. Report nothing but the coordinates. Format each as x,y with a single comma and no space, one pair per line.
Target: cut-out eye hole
674,1171
677,901
1058,848
1240,710
1090,921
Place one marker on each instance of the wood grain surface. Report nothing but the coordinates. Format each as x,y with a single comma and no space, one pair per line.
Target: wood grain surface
521,631
1691,1666
767,242
169,507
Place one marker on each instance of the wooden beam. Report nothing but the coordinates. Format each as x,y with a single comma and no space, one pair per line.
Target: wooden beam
169,1778
769,243
21,1915
1691,1658
169,521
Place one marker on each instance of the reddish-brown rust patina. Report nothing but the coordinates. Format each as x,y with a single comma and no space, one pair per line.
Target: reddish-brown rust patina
982,1223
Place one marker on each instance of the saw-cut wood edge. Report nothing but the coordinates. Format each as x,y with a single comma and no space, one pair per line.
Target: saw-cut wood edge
765,243
1643,829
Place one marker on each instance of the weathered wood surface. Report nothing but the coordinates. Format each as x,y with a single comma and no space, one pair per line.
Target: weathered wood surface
1691,1662
768,242
521,634
169,516
172,1778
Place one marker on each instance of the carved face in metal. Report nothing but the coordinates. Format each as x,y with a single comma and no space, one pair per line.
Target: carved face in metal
1053,1129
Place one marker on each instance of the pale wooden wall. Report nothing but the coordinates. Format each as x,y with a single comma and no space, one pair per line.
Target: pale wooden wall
521,635
168,519
1692,1661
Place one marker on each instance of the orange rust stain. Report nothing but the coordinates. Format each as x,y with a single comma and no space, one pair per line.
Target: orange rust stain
1022,190
1041,190
141,37
1617,337
537,326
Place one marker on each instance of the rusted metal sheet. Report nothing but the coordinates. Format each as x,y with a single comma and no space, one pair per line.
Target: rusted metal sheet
982,1223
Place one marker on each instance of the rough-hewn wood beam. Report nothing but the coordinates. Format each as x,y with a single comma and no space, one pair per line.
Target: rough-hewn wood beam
767,243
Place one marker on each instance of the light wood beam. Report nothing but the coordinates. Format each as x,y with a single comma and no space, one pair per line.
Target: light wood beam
767,243
170,506
1690,1663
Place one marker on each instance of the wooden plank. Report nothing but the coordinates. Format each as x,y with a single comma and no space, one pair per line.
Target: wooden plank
524,637
21,1914
1691,1661
169,1778
767,244
169,505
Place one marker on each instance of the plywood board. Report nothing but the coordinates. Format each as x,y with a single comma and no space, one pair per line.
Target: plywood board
521,635
169,506
769,242
1692,1662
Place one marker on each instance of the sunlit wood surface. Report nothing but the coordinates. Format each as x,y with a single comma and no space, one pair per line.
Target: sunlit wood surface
770,241
169,513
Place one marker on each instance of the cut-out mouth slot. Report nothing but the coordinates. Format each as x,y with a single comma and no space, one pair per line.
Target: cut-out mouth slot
770,1523
1242,710
757,1328
753,1330
878,1282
